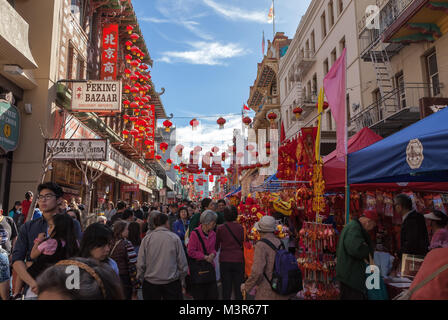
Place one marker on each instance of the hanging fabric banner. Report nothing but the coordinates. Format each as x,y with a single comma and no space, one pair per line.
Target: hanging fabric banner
109,52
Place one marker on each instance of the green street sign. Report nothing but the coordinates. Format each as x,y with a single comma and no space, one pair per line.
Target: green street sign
9,126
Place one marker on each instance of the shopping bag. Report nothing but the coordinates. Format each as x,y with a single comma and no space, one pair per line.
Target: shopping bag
248,257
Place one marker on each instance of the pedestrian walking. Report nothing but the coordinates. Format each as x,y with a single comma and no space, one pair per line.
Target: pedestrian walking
138,212
110,210
229,239
354,252
97,281
49,199
173,215
59,245
162,264
263,264
202,252
8,236
123,253
96,244
121,207
180,226
438,221
134,235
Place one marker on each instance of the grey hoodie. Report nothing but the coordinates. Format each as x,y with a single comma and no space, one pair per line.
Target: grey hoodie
161,257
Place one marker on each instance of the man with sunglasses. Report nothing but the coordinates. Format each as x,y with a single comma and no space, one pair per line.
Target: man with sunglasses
49,199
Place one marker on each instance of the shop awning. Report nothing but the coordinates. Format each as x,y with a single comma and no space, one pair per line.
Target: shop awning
418,153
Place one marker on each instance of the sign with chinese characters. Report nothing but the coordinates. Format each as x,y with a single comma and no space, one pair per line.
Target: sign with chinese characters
130,188
9,126
110,52
81,149
151,132
97,96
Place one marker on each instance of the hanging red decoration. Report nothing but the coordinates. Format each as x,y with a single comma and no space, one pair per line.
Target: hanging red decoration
125,134
272,116
125,118
297,112
191,178
128,58
167,124
197,149
129,45
129,29
215,149
223,156
158,157
127,73
325,106
247,121
194,123
163,146
135,37
134,64
221,122
210,178
169,161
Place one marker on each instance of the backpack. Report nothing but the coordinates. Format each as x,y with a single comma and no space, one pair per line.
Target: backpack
286,277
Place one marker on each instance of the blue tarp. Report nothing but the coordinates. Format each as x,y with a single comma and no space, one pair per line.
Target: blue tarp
418,153
233,192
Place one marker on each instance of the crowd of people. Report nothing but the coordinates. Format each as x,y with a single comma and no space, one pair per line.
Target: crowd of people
183,250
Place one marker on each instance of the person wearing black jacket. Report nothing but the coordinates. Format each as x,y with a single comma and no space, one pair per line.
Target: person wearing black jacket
414,234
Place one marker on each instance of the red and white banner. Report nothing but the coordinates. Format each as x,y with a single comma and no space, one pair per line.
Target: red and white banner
110,52
151,132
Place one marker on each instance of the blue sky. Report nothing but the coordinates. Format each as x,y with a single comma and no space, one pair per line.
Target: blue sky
205,55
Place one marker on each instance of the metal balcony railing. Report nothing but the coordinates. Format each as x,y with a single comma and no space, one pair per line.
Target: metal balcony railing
306,54
405,97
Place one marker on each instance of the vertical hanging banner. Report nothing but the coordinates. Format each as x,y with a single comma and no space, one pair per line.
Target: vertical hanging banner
109,52
151,131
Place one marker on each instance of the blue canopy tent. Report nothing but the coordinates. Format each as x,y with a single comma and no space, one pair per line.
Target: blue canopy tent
418,153
233,192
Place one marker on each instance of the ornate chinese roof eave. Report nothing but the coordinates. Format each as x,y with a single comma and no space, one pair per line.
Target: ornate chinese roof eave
266,76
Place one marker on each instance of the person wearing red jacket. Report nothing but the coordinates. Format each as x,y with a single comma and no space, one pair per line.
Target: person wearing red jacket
26,204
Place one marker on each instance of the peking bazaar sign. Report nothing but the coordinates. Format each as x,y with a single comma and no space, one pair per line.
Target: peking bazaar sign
109,52
97,96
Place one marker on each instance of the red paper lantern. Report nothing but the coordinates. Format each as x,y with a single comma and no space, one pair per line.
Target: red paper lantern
163,146
194,123
191,178
247,121
210,178
325,106
223,156
167,124
215,149
134,64
129,29
169,161
135,37
158,157
272,116
297,112
128,58
127,73
221,121
129,45
126,118
125,133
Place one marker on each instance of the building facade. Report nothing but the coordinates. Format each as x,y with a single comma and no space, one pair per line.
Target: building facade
60,44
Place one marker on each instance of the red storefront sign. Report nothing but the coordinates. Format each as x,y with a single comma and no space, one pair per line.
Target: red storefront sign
109,52
216,169
130,188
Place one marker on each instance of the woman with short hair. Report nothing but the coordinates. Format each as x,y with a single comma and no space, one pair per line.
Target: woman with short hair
110,210
204,236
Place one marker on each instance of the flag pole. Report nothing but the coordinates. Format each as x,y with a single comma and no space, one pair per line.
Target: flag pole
347,186
273,19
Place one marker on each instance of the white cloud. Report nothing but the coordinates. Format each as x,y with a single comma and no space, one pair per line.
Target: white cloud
205,53
235,13
154,20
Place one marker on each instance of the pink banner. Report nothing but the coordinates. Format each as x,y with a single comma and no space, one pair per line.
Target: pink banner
335,90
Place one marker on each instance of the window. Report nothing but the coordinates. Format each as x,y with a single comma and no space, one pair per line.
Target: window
333,56
76,10
330,14
342,44
329,122
341,6
286,85
308,95
326,67
401,90
314,93
313,42
70,57
307,45
323,23
433,73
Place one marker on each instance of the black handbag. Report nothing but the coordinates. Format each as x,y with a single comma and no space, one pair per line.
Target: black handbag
201,271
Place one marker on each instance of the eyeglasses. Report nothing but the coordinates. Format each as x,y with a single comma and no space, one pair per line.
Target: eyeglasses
46,197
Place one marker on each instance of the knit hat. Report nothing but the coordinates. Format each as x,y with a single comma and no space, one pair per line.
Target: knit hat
370,214
266,224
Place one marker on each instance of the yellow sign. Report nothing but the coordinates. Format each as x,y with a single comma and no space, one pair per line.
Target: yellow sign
7,130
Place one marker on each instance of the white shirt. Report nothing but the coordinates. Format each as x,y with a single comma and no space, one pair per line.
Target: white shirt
406,215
